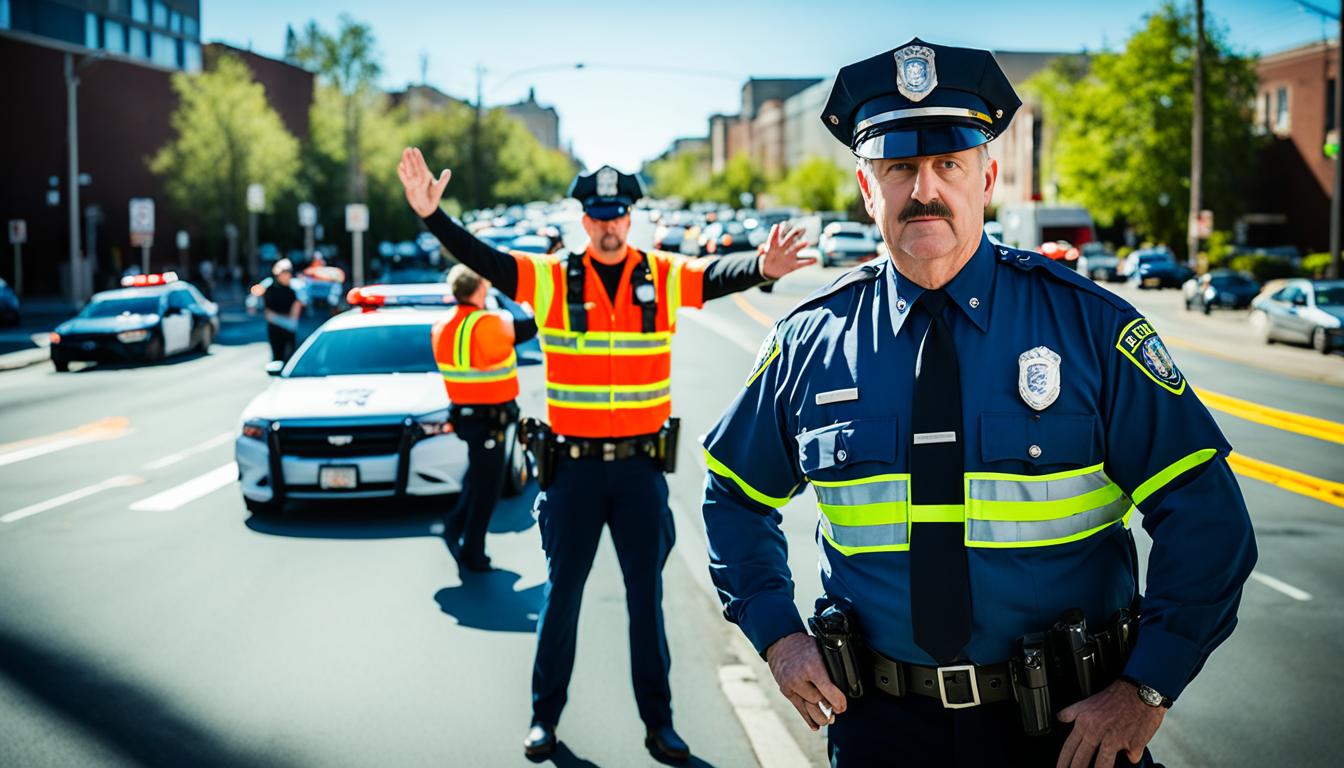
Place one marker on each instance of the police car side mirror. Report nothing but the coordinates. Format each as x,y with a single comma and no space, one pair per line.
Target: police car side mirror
274,367
1299,300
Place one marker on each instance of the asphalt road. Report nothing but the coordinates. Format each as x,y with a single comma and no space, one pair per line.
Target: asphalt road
183,631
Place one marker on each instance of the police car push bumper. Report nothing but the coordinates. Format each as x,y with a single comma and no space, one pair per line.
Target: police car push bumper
417,465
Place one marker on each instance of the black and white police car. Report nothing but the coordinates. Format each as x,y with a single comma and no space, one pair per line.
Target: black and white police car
146,320
360,410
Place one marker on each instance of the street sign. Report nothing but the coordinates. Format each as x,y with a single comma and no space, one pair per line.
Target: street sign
307,214
18,231
183,240
256,198
142,222
357,217
1202,226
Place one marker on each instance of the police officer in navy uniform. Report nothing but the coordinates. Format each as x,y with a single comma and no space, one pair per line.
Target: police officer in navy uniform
978,425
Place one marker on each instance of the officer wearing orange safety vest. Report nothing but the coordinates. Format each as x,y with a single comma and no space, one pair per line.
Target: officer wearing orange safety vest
475,352
606,318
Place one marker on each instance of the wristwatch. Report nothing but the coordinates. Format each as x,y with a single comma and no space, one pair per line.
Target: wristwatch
1148,694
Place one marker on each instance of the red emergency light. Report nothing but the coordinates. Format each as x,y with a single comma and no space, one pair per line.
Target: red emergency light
140,281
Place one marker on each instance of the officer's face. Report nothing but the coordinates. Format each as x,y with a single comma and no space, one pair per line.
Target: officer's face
607,236
930,208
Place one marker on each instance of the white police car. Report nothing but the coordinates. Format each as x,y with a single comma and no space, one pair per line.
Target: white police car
148,319
360,411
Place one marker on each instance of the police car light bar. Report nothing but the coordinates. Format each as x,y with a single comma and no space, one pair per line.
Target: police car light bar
371,297
140,281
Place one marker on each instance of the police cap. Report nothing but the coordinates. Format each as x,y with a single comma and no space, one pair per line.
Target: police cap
606,193
920,99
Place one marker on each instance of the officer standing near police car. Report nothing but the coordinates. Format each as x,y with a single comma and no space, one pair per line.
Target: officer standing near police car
977,424
474,349
606,319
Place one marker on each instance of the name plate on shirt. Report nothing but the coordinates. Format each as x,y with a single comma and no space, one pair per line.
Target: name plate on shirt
928,438
837,396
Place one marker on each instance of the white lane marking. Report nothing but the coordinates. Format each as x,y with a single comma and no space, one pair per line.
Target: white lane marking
189,491
120,481
1281,586
173,458
774,746
103,429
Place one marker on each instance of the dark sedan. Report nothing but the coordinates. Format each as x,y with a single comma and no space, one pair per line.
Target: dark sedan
1223,288
1156,268
9,304
152,318
723,237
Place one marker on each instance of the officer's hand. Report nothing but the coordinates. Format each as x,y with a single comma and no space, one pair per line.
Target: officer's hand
422,189
779,253
796,664
1115,721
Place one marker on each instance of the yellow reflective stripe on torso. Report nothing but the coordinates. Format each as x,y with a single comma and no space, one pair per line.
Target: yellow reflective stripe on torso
1006,510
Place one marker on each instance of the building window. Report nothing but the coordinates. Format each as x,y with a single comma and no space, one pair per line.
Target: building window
1265,112
160,15
1281,111
114,36
164,51
91,30
191,57
189,26
175,21
139,43
4,14
140,10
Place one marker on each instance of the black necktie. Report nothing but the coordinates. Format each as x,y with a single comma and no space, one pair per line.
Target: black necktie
940,590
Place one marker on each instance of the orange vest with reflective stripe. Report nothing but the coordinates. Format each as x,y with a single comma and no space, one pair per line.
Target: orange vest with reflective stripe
612,379
474,350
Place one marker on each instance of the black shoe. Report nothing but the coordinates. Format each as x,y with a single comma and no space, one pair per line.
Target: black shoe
540,742
477,563
665,744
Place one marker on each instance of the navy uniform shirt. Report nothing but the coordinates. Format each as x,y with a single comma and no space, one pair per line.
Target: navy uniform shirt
828,402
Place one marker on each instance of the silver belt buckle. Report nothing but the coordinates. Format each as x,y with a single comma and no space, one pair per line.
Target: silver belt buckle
608,451
969,669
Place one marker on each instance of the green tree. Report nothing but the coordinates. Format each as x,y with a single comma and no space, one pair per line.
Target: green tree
740,176
1122,129
346,61
226,136
684,175
816,184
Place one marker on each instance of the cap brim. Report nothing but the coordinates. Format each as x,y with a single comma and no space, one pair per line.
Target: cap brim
916,142
606,211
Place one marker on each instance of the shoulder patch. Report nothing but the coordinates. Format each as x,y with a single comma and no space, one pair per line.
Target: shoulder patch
1028,261
1140,343
765,356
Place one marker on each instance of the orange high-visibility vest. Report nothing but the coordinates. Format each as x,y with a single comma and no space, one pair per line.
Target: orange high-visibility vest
612,378
474,350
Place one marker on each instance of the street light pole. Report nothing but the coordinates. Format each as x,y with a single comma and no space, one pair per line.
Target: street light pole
72,140
1337,198
1196,141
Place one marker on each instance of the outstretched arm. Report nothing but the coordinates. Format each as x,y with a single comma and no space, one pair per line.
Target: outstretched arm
423,192
777,257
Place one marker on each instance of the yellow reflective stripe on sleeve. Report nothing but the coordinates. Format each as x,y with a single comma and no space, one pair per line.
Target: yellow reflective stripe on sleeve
761,369
937,513
1160,480
544,293
720,469
674,288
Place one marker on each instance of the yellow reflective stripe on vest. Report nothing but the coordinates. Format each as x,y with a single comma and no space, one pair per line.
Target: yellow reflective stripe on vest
607,397
507,369
864,515
605,343
462,341
1005,510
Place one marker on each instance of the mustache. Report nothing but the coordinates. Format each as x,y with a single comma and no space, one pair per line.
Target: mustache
915,210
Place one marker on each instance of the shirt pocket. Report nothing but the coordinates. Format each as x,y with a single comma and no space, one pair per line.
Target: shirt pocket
848,449
1041,442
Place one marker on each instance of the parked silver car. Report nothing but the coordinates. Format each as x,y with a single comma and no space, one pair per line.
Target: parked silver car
1305,311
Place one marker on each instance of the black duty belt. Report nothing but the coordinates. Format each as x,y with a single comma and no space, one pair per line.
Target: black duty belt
957,686
617,449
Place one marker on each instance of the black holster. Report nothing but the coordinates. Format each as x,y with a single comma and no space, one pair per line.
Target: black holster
840,644
536,435
668,437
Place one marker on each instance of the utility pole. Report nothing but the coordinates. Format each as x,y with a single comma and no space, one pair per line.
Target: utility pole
1336,270
1197,140
72,140
476,143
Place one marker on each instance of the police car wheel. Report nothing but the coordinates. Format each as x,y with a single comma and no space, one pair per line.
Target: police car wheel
207,338
62,365
154,351
1320,342
1260,321
263,509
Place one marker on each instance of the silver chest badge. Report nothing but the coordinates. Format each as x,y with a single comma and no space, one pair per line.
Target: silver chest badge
1038,377
915,73
606,181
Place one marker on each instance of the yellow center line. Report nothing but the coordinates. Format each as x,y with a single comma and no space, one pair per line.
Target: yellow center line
1289,480
752,312
1322,429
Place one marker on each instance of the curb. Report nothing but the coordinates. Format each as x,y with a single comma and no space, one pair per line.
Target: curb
24,358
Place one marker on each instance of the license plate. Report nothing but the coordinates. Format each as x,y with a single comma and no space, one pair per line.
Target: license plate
1149,282
338,478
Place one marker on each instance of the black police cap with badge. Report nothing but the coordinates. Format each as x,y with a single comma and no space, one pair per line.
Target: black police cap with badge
920,99
606,193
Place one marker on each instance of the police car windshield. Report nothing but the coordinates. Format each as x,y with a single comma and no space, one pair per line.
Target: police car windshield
379,349
138,305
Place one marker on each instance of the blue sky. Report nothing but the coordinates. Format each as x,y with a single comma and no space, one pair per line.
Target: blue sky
655,71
